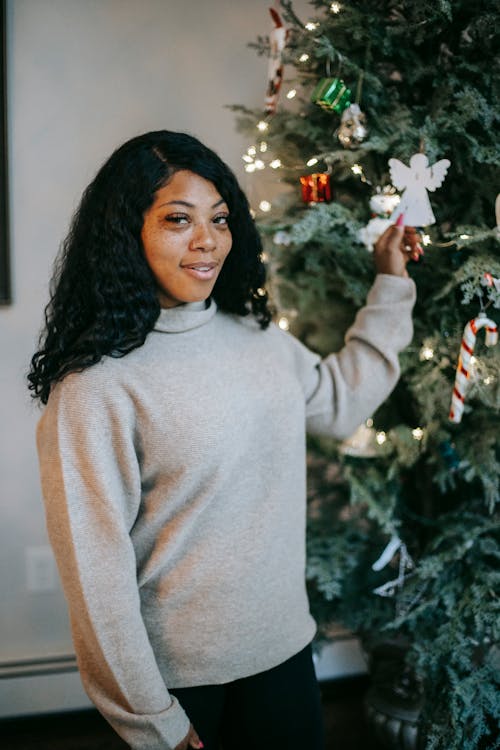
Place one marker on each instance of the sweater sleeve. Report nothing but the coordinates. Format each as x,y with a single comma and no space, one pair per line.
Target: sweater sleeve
347,387
92,490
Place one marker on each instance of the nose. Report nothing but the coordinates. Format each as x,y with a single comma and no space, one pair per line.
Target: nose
202,238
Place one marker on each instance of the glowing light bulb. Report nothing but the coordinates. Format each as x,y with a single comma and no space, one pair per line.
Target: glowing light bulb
465,236
263,147
369,423
335,7
312,162
265,206
259,164
262,126
311,26
304,57
357,169
284,323
260,291
381,437
251,150
426,353
291,94
426,239
275,164
247,158
417,433
488,380
250,168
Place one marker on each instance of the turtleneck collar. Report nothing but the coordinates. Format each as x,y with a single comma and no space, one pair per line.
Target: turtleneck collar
185,317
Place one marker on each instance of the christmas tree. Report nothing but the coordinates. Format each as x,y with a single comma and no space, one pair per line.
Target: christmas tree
363,82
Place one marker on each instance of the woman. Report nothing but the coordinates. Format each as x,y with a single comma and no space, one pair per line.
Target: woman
172,451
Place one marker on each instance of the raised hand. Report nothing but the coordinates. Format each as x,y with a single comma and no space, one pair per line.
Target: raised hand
396,247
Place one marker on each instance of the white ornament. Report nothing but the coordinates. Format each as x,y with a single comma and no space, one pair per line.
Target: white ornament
384,203
373,230
405,563
385,558
415,181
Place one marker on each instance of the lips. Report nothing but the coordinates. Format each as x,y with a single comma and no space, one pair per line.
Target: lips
200,266
202,270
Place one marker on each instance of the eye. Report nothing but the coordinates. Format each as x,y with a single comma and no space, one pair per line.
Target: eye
177,219
221,219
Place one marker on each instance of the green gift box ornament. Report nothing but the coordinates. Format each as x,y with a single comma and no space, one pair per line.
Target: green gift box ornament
332,94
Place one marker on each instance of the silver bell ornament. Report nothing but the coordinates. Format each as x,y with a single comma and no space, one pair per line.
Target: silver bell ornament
352,129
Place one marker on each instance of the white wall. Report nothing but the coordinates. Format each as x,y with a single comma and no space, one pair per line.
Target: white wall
83,76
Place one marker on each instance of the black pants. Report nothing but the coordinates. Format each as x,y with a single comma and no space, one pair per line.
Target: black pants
279,708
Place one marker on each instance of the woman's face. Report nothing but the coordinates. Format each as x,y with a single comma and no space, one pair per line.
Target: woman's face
186,238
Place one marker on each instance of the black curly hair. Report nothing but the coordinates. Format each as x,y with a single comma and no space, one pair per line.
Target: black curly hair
103,295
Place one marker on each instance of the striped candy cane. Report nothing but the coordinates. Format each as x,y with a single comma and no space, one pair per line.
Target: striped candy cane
466,351
277,41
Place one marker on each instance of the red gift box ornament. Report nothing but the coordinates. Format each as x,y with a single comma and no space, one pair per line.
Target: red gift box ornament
316,188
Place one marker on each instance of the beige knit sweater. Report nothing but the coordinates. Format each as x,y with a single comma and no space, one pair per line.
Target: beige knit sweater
174,485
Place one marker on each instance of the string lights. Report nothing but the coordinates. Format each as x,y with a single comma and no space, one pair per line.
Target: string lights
426,353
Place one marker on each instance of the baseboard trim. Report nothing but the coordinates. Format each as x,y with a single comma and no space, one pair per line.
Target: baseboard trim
38,667
52,684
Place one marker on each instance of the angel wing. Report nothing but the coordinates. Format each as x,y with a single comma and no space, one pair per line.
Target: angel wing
435,175
400,174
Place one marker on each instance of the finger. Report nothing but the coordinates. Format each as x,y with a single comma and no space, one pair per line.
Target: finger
412,243
194,740
390,239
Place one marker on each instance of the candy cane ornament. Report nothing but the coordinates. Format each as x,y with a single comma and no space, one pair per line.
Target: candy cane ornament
466,352
277,40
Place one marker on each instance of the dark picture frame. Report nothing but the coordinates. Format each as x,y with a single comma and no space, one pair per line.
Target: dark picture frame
5,282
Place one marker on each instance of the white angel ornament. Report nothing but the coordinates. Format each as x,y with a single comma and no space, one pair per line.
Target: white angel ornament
415,181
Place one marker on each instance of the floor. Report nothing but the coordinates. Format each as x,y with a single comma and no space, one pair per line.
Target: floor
346,728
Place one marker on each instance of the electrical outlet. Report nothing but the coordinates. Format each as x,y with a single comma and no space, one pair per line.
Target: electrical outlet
40,569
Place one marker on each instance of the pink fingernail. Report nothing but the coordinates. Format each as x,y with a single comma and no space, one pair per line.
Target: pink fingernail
400,222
